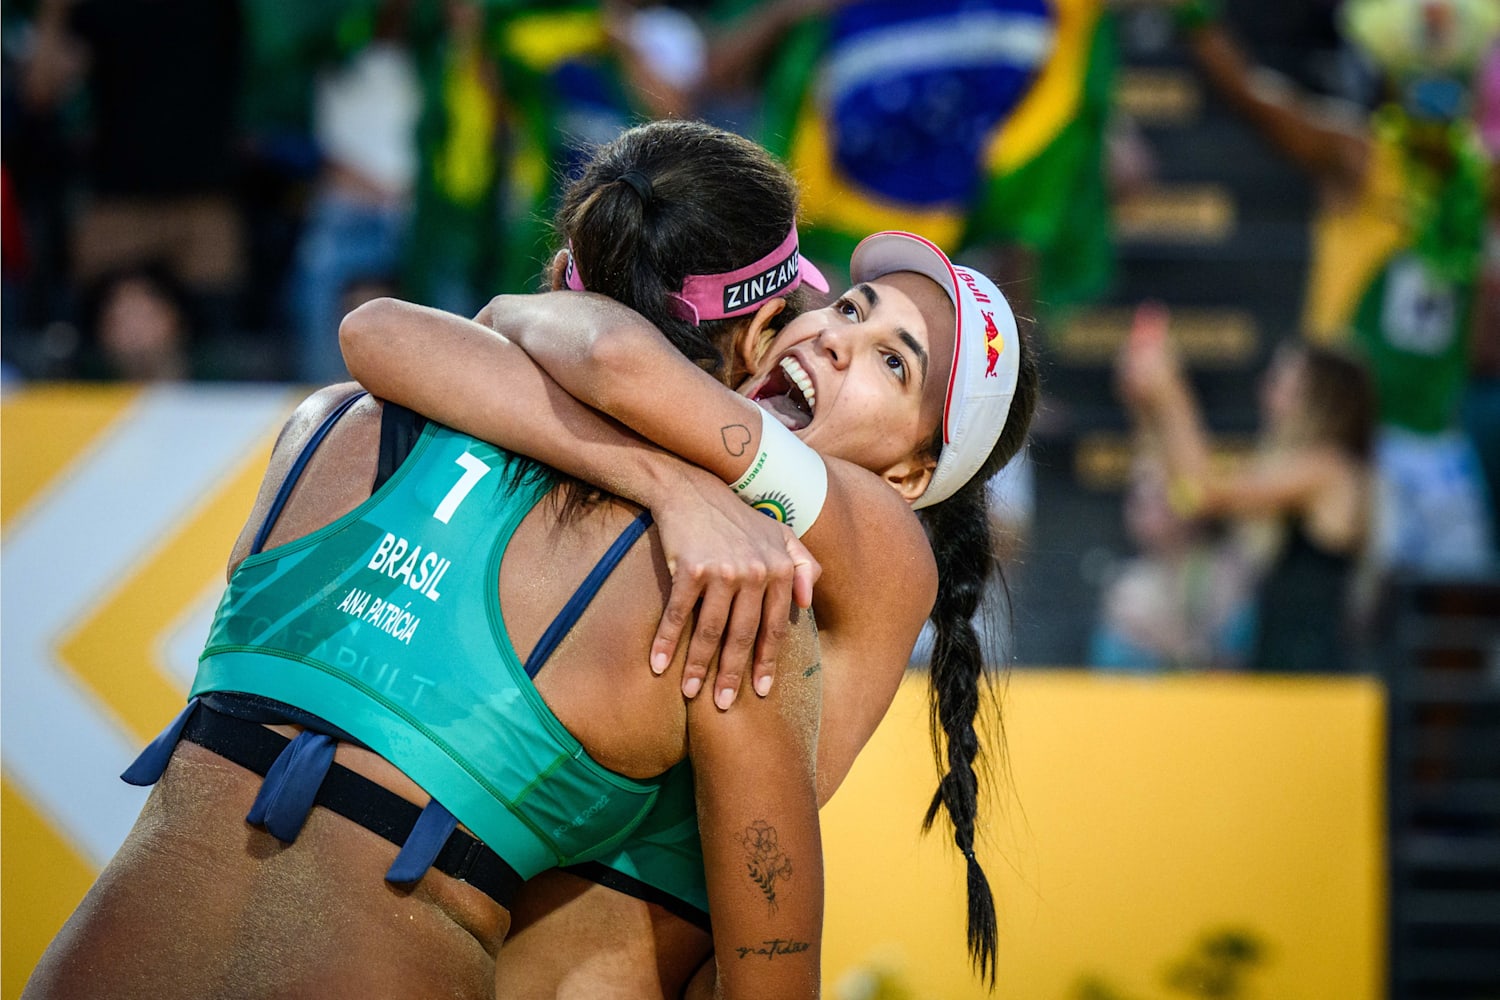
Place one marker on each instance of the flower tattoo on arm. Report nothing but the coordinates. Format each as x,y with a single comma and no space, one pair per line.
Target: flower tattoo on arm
764,859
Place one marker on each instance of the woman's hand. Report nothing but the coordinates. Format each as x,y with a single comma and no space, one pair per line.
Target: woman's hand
742,570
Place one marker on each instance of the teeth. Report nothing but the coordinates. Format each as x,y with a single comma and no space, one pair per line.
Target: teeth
799,378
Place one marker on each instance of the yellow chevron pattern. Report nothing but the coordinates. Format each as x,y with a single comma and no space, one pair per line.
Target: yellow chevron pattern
109,660
114,650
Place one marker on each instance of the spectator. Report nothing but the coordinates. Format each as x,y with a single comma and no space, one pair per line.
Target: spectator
1310,476
364,122
140,326
514,98
1481,410
1010,501
162,82
1397,251
1184,601
663,55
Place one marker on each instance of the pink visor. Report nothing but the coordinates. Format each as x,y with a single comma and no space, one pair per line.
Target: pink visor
738,292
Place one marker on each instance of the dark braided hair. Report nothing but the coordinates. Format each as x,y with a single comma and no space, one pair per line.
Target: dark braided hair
959,530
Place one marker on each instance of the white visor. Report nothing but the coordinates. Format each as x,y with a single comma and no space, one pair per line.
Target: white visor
986,353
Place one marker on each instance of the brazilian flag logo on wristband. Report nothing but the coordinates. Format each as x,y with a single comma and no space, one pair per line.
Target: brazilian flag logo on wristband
777,505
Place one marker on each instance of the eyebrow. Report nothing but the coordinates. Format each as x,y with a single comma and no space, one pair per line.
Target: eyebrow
916,349
906,338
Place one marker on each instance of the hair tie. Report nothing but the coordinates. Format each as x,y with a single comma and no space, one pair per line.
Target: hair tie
640,183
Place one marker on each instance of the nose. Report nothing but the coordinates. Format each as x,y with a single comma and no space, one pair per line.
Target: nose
837,342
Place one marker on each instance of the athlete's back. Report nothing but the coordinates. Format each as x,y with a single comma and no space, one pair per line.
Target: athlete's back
199,903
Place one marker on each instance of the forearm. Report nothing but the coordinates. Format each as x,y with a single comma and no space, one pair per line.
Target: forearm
611,359
737,51
458,373
1175,423
762,852
1269,103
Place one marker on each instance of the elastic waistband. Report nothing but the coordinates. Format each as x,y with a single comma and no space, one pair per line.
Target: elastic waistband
358,799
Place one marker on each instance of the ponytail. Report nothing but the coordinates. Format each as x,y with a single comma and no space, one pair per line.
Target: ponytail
668,199
612,239
959,530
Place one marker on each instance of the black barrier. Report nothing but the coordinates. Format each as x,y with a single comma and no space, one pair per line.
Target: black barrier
1440,657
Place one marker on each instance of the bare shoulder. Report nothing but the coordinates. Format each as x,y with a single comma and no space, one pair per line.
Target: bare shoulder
355,432
878,565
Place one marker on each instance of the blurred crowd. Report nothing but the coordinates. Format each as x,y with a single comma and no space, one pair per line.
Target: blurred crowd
202,188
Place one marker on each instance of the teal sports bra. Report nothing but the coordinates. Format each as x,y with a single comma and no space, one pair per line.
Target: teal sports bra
387,624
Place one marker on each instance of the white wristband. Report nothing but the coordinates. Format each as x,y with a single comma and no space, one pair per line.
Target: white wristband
787,479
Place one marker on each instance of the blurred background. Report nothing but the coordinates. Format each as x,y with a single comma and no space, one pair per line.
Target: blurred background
1250,599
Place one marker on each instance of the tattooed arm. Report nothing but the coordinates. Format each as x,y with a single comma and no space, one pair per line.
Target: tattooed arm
757,813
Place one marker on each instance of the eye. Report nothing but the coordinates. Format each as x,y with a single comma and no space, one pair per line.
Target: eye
897,364
847,308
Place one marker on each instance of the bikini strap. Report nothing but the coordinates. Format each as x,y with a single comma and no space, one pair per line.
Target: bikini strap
290,483
579,602
290,788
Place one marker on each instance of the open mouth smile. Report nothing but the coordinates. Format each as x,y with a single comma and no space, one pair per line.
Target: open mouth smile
788,394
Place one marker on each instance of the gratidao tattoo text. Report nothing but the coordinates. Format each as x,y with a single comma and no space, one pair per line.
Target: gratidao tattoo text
764,859
770,949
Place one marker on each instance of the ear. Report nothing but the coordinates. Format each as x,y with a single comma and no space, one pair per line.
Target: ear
910,476
757,335
557,270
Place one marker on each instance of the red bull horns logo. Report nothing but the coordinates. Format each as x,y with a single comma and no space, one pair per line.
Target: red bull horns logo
994,343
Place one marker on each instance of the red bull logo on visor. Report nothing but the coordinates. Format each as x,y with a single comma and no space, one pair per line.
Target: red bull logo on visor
994,343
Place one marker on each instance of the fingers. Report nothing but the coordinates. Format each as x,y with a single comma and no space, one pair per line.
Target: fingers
708,631
686,587
739,643
732,593
805,570
775,614
1150,324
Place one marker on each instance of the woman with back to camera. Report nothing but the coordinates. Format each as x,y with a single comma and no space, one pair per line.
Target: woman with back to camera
456,372
289,896
1310,475
380,654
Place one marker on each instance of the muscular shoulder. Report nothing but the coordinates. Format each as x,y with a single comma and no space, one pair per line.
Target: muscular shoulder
335,476
877,562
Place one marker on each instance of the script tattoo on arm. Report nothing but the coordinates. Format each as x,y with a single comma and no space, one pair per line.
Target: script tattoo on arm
772,948
736,437
765,860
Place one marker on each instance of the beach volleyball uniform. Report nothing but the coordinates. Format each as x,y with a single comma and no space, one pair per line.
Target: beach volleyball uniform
661,861
1394,273
972,123
384,628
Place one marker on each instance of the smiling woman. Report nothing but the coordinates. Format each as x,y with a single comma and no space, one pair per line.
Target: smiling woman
915,387
855,384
